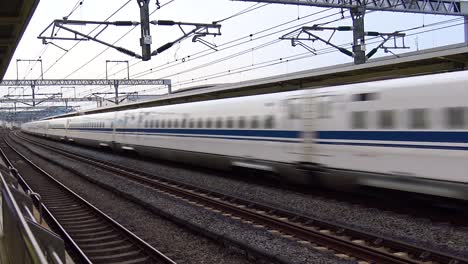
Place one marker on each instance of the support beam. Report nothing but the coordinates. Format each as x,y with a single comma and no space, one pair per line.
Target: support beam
435,7
66,82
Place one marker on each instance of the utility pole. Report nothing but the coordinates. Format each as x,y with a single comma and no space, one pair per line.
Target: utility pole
116,86
359,45
33,88
145,40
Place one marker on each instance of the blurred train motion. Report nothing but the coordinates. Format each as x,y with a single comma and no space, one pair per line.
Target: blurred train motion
406,134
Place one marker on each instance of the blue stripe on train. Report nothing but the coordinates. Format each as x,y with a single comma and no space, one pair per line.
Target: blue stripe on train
205,132
219,132
403,136
415,136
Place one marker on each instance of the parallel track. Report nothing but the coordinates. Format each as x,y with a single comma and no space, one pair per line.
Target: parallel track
344,241
92,236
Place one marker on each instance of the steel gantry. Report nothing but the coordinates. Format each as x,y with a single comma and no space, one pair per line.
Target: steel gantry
78,82
358,9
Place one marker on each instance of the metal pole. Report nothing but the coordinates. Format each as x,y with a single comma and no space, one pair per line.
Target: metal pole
106,69
116,86
145,40
128,71
17,71
42,71
33,94
466,28
359,50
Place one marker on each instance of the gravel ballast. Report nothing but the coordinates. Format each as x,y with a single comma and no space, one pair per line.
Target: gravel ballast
421,232
213,224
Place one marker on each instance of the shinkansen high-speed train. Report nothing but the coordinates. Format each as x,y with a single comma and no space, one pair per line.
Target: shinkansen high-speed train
407,134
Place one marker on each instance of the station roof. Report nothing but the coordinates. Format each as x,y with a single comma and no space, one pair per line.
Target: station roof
14,18
442,59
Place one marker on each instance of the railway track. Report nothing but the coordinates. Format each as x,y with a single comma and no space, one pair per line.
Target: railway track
90,235
344,242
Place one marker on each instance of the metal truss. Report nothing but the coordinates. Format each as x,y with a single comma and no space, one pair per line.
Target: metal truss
37,108
441,7
79,82
64,82
49,100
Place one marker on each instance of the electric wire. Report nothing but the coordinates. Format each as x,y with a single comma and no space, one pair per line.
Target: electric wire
247,10
78,4
79,41
247,39
304,55
123,36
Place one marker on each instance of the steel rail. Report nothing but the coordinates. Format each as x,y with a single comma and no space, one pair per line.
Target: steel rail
345,240
88,254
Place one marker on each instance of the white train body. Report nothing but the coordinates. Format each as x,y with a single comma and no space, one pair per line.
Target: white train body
408,134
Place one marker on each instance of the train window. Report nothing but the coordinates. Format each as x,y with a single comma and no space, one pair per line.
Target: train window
209,123
151,123
200,123
169,123
156,123
176,123
364,97
324,107
254,122
358,119
184,123
230,122
219,122
455,117
386,119
191,123
294,109
269,122
242,122
163,123
418,118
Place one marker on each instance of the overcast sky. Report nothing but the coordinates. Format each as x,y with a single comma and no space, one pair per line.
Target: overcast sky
84,61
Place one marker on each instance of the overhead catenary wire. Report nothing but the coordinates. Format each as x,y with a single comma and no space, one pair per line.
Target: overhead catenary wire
244,11
247,39
300,56
217,61
78,42
115,42
78,4
193,58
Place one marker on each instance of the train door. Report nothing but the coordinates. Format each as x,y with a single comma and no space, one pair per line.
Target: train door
113,125
301,116
309,129
67,123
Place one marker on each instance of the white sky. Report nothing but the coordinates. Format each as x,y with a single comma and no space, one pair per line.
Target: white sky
183,74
